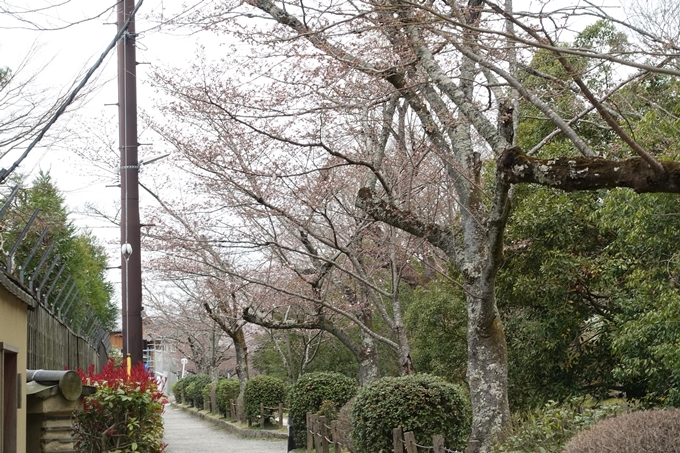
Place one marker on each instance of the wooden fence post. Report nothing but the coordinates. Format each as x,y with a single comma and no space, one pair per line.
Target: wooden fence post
438,442
397,438
310,426
280,415
324,434
261,415
334,435
410,440
317,433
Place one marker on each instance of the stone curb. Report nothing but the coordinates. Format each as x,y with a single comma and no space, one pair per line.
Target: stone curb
229,427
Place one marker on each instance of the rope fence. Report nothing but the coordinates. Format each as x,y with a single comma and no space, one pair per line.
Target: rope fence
280,410
320,437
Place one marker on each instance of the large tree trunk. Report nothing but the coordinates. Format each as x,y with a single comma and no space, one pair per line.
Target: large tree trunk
487,372
241,357
368,353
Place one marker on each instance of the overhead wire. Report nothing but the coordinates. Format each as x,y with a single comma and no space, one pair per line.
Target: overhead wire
4,173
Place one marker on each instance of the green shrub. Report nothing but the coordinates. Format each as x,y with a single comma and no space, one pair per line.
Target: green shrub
329,409
424,404
656,431
227,391
266,390
193,390
207,390
123,415
308,394
177,388
547,429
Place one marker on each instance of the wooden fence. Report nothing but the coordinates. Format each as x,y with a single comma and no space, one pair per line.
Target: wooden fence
62,331
279,408
52,345
321,437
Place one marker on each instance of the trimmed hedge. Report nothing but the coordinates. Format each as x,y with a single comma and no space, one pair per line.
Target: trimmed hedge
193,388
310,392
266,390
424,404
227,391
654,431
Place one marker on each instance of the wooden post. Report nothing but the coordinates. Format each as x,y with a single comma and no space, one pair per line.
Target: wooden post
213,398
438,442
324,434
232,410
310,438
410,440
317,433
280,415
397,439
334,434
261,415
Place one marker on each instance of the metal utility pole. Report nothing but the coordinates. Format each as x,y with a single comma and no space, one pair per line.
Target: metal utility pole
131,264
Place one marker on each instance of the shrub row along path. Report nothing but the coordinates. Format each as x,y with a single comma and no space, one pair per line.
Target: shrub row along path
185,433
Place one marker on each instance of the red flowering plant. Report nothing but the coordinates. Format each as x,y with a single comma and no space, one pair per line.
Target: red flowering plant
123,415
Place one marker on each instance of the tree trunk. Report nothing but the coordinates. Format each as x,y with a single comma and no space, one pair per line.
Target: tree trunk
241,358
368,353
487,372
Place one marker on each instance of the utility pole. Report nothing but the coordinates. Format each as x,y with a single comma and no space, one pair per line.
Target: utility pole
131,263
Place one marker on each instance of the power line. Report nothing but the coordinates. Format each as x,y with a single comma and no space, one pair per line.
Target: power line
4,173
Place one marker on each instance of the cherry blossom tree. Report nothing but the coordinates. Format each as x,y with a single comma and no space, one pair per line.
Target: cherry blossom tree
410,113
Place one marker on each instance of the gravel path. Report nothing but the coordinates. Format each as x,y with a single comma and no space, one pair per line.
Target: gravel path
187,434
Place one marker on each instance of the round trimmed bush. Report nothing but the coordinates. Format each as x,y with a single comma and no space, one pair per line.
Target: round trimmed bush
177,388
310,392
654,431
193,391
207,390
227,391
424,404
266,390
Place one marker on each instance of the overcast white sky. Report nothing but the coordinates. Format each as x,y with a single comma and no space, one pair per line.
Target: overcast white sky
60,58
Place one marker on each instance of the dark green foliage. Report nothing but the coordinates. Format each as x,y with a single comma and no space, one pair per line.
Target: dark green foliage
646,431
551,291
436,322
227,391
329,409
424,404
309,393
266,390
193,388
547,429
85,258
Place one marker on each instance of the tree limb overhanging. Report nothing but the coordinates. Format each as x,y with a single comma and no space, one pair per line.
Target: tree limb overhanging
588,173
